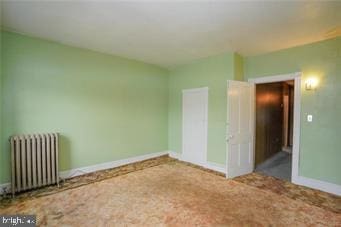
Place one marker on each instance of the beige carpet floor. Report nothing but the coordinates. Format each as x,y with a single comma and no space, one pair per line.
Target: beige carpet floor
171,194
310,196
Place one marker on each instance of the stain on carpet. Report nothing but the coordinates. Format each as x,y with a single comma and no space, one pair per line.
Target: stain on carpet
281,187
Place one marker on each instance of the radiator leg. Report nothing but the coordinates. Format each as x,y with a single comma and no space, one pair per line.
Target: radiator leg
13,190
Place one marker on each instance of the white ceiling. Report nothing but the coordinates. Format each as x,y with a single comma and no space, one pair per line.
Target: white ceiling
169,33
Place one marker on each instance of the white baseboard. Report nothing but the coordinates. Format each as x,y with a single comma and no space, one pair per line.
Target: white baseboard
300,180
216,167
174,154
317,184
208,165
6,187
108,165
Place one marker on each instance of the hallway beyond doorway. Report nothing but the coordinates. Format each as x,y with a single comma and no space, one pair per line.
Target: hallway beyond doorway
279,166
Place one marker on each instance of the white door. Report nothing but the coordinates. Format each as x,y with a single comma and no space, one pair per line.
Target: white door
240,127
194,121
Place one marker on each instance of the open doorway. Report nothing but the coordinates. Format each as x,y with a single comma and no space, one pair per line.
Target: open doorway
274,128
241,125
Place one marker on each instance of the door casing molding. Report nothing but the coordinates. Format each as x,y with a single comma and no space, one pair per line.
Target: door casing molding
295,177
297,114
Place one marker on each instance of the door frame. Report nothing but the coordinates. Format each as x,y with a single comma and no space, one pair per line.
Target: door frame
201,89
297,115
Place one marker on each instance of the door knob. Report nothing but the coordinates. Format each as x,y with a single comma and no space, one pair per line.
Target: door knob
229,137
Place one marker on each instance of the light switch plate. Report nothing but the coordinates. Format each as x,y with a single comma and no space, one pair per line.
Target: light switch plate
309,118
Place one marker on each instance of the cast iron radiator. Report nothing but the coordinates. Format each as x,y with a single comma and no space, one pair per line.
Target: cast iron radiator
34,161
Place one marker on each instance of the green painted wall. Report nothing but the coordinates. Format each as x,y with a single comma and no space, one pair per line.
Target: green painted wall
109,108
106,108
320,155
238,62
211,72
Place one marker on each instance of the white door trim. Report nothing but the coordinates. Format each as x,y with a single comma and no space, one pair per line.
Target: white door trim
275,78
202,89
195,89
297,115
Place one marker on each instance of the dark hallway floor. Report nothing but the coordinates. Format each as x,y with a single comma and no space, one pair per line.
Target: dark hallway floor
278,166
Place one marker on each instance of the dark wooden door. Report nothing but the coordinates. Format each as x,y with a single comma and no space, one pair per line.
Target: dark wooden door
269,120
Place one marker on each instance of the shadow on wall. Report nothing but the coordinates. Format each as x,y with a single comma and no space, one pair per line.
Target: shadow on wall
64,153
